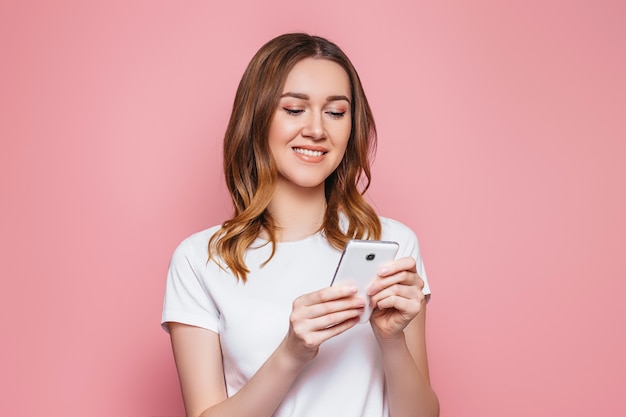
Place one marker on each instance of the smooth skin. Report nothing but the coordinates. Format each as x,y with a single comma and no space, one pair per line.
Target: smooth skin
308,137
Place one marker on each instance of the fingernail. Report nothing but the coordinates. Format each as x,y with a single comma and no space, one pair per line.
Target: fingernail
382,270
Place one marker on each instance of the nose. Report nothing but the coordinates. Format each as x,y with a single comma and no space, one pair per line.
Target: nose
314,127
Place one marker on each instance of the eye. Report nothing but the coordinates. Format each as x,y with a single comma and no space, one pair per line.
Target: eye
293,112
336,114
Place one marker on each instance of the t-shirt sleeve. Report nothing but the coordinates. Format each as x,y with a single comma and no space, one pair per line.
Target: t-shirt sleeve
187,299
419,263
409,246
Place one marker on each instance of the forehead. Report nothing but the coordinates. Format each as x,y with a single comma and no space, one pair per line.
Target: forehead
317,77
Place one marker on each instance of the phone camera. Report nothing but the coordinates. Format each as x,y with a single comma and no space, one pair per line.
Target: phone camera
370,256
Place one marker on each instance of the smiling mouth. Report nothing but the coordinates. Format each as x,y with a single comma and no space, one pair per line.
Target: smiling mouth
308,152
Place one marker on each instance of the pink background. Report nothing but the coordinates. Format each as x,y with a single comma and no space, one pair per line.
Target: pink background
502,143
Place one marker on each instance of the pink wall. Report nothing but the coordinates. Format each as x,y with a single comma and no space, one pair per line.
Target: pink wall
502,143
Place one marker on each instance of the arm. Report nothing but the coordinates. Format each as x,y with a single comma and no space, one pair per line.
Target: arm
198,357
399,326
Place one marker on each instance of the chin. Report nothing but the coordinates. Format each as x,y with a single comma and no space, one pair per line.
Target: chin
308,183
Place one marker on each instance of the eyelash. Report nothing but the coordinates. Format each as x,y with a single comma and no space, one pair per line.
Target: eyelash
333,114
336,114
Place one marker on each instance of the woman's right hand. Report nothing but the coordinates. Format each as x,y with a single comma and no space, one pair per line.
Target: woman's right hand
319,316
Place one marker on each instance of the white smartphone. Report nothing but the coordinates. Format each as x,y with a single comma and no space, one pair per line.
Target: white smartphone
358,266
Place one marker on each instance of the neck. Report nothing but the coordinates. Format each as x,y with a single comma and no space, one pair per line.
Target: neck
298,212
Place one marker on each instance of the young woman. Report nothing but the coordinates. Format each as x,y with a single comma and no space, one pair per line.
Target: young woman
256,329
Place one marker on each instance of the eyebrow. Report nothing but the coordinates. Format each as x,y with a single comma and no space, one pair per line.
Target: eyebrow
306,97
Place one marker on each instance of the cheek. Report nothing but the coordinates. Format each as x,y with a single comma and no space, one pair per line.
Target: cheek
275,134
343,145
344,135
282,130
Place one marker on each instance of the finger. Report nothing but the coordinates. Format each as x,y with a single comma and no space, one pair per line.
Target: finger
313,335
337,329
398,290
409,278
331,293
406,307
402,264
335,306
330,320
400,297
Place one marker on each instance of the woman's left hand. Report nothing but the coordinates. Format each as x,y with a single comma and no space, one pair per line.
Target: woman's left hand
396,296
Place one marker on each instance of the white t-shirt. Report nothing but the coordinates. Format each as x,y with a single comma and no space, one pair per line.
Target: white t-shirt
345,379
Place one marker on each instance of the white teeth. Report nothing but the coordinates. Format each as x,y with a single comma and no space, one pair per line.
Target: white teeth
308,152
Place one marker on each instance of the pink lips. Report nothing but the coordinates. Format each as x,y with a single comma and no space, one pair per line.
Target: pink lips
310,153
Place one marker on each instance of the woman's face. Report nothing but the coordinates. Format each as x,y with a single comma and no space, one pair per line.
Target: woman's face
311,125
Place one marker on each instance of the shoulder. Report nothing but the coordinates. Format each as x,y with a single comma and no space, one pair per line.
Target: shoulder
202,236
397,230
195,246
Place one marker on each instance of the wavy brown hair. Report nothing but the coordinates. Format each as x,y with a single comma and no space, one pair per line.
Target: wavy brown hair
249,168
